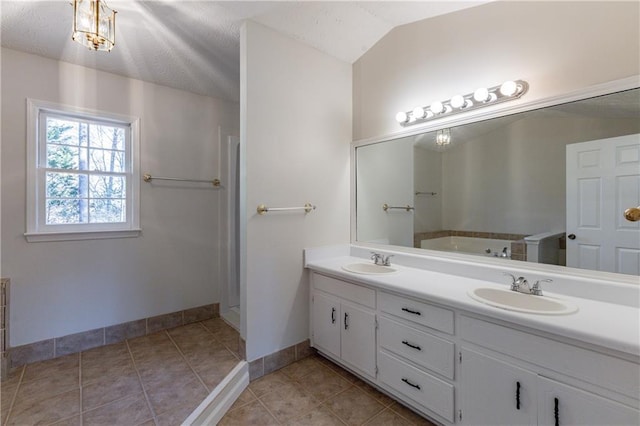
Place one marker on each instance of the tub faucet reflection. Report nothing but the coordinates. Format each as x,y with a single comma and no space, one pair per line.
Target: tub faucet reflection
504,253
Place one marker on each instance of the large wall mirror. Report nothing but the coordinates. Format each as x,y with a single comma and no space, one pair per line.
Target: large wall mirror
548,186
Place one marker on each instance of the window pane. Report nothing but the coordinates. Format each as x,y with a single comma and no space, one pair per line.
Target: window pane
66,211
106,160
66,157
62,131
66,185
68,132
107,211
107,137
107,187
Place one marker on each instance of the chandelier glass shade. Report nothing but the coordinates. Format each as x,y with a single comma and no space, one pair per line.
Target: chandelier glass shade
94,24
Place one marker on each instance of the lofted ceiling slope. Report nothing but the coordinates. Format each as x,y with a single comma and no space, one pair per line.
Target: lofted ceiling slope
194,45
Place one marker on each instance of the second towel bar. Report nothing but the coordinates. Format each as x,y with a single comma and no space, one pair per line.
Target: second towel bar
386,207
262,209
148,178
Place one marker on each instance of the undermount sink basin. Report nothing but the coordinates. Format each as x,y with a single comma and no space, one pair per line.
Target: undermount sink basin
368,268
520,302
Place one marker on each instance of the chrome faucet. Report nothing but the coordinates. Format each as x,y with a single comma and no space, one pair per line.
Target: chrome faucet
536,290
521,285
381,259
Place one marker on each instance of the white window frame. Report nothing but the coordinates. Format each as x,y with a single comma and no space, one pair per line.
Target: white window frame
37,229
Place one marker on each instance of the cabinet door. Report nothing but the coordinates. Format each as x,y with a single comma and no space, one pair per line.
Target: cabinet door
561,405
359,338
326,323
493,392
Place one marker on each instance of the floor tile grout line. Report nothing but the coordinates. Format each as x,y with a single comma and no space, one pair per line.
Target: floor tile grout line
400,414
189,364
352,385
269,411
374,415
334,413
320,404
235,354
368,421
144,390
15,395
216,337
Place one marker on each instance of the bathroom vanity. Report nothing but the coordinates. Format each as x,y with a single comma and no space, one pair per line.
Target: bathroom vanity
419,336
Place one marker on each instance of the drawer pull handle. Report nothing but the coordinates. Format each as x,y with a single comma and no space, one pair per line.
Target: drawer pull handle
404,342
346,317
556,412
411,312
517,395
411,384
333,315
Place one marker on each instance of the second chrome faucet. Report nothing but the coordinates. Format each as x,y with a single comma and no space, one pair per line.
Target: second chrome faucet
381,259
521,285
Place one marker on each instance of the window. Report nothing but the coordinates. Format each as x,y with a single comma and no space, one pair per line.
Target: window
81,174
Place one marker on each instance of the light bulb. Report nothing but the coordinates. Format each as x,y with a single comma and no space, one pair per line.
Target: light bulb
402,117
509,88
481,95
418,113
457,101
436,107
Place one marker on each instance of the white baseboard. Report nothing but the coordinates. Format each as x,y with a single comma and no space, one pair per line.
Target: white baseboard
215,406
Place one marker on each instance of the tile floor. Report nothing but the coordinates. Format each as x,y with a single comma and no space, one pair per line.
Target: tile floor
160,378
157,379
314,391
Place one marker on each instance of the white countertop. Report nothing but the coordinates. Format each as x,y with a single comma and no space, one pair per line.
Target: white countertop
608,325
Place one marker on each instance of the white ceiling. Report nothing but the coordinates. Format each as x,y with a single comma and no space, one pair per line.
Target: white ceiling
194,45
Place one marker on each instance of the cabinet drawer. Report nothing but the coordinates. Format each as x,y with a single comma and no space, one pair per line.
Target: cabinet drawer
421,313
593,367
428,391
424,349
351,292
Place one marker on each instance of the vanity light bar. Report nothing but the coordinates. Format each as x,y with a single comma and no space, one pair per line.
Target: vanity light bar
482,97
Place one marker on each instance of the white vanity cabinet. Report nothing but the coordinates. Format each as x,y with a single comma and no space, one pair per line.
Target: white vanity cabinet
496,392
493,392
343,322
561,404
459,367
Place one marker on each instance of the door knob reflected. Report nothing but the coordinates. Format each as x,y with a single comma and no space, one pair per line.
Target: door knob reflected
632,214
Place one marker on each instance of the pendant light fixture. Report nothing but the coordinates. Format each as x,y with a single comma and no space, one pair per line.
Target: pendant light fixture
443,137
94,24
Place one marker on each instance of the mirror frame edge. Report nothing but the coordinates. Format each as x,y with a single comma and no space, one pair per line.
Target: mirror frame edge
601,89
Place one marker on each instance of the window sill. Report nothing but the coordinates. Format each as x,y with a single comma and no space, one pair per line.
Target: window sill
37,237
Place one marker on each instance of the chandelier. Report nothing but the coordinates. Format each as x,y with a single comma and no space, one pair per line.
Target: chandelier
94,24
